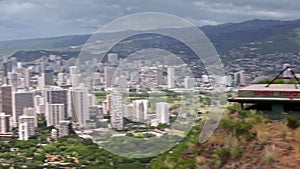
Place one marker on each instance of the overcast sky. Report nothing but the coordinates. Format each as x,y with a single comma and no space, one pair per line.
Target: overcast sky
21,19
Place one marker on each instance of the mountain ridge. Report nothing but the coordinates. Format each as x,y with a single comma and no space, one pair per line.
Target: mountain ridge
225,37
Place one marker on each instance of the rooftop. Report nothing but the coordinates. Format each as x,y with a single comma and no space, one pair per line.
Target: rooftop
272,87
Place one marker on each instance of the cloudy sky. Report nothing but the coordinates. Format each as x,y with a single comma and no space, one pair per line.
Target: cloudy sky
21,19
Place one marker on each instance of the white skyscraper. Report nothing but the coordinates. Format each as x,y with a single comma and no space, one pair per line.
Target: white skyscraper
239,78
39,103
29,111
63,128
55,113
151,77
243,78
23,131
171,77
74,76
205,78
116,110
92,99
140,108
80,105
189,83
128,111
228,80
54,134
41,83
26,127
108,76
61,79
13,79
26,74
4,123
162,112
123,83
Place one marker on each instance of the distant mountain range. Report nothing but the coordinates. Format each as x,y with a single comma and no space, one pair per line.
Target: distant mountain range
275,36
268,36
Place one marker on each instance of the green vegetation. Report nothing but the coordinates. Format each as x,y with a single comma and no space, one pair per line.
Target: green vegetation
71,151
100,96
277,81
240,134
292,122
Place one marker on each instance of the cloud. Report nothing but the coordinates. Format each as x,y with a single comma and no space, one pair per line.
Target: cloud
45,18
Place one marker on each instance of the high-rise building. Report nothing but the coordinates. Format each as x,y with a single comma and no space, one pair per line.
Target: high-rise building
63,128
13,79
7,66
128,111
205,78
159,76
23,131
4,123
171,77
92,99
29,111
151,77
54,134
61,79
73,70
79,105
2,77
74,75
26,75
189,83
55,113
47,77
140,108
108,103
94,111
26,127
239,78
112,57
57,95
21,100
6,99
108,76
41,83
105,107
116,111
228,80
162,112
39,104
123,83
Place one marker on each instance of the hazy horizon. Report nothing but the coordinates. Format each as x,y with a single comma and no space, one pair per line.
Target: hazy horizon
39,19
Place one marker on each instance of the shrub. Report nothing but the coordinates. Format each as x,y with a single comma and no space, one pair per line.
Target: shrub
284,134
222,155
269,158
200,160
292,122
262,132
270,155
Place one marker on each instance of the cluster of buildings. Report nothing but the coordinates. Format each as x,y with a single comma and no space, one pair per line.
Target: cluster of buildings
31,89
257,64
56,88
25,93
